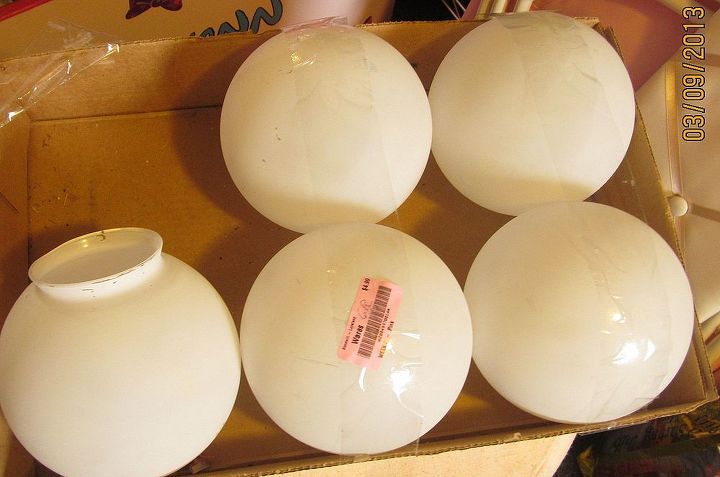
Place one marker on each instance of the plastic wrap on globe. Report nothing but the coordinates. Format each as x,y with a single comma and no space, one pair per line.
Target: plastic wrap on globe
530,109
356,339
581,312
71,50
325,123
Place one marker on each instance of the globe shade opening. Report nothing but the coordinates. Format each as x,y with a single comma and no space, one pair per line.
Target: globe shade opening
96,256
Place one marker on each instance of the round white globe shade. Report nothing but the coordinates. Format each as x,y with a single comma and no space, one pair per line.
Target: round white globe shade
530,109
293,323
118,359
581,312
325,125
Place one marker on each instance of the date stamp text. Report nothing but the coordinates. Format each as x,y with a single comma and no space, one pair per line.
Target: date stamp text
693,74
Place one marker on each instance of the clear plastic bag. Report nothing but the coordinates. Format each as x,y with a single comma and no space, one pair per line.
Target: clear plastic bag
64,50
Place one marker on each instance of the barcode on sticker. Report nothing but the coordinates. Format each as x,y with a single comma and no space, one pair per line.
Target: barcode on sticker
371,321
375,321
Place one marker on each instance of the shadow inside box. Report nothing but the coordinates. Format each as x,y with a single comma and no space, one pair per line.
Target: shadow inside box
195,135
452,226
249,437
14,265
481,411
194,132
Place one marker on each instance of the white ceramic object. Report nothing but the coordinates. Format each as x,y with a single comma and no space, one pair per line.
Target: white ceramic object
293,324
581,312
529,109
118,359
323,125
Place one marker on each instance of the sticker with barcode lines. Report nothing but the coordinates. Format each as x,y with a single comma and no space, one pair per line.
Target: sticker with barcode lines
371,321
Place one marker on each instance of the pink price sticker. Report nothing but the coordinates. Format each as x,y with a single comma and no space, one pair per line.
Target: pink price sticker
371,320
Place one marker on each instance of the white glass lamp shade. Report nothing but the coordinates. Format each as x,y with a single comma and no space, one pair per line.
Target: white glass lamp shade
325,124
118,359
581,312
529,109
293,324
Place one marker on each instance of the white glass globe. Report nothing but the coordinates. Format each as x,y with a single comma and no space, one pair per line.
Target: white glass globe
118,359
530,109
581,312
293,324
326,124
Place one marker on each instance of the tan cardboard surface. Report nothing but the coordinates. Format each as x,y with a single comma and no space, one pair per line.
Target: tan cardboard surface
536,458
135,142
13,213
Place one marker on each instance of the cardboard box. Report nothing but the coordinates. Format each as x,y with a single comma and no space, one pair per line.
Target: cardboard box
134,141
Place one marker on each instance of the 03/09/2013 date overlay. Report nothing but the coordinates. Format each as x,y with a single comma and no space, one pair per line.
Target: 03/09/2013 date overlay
693,78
